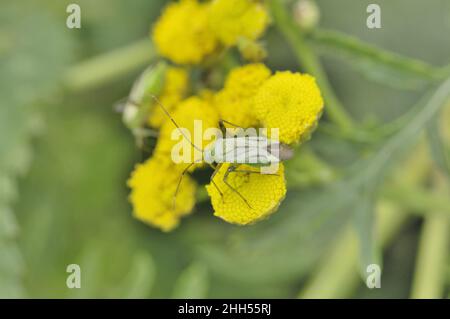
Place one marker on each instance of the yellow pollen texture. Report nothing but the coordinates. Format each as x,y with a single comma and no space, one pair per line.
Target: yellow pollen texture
291,102
233,19
153,186
182,33
262,192
235,101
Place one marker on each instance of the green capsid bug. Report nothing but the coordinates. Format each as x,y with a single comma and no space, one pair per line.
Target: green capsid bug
251,150
257,151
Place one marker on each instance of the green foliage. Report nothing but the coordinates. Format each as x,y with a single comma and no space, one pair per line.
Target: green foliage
29,71
192,283
376,64
438,147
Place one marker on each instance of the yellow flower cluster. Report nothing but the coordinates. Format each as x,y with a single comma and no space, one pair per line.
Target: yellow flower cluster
189,31
235,101
291,102
153,185
176,85
182,33
251,97
231,20
263,194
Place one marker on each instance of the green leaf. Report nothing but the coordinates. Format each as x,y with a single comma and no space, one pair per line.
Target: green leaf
364,223
437,146
140,278
8,223
105,68
307,169
192,283
376,64
374,170
29,71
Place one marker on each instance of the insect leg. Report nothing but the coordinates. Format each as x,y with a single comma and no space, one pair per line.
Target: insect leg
163,108
225,180
179,183
223,127
221,123
216,169
252,172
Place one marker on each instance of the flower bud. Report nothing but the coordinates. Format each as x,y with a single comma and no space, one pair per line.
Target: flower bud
251,50
139,102
306,14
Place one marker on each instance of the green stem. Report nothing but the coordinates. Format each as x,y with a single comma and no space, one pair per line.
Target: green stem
352,46
417,199
430,266
355,135
338,275
100,70
311,63
429,278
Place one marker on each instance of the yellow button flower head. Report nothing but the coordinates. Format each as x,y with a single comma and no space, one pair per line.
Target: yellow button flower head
291,102
182,33
234,102
186,112
176,84
233,19
153,186
245,80
263,193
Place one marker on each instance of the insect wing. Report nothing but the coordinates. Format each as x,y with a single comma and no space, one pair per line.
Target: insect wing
252,150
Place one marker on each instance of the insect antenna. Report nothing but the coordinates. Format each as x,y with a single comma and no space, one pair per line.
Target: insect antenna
174,123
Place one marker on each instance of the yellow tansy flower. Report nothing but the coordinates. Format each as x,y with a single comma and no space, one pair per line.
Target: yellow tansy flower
185,115
176,84
153,186
246,80
262,192
235,101
233,19
291,102
182,33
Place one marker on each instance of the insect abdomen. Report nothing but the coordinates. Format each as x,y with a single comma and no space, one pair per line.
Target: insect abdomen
243,150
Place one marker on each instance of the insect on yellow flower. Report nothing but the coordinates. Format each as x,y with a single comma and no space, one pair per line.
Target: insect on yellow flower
254,151
186,112
240,193
182,33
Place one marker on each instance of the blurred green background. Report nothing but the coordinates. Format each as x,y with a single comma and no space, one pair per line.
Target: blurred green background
65,157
